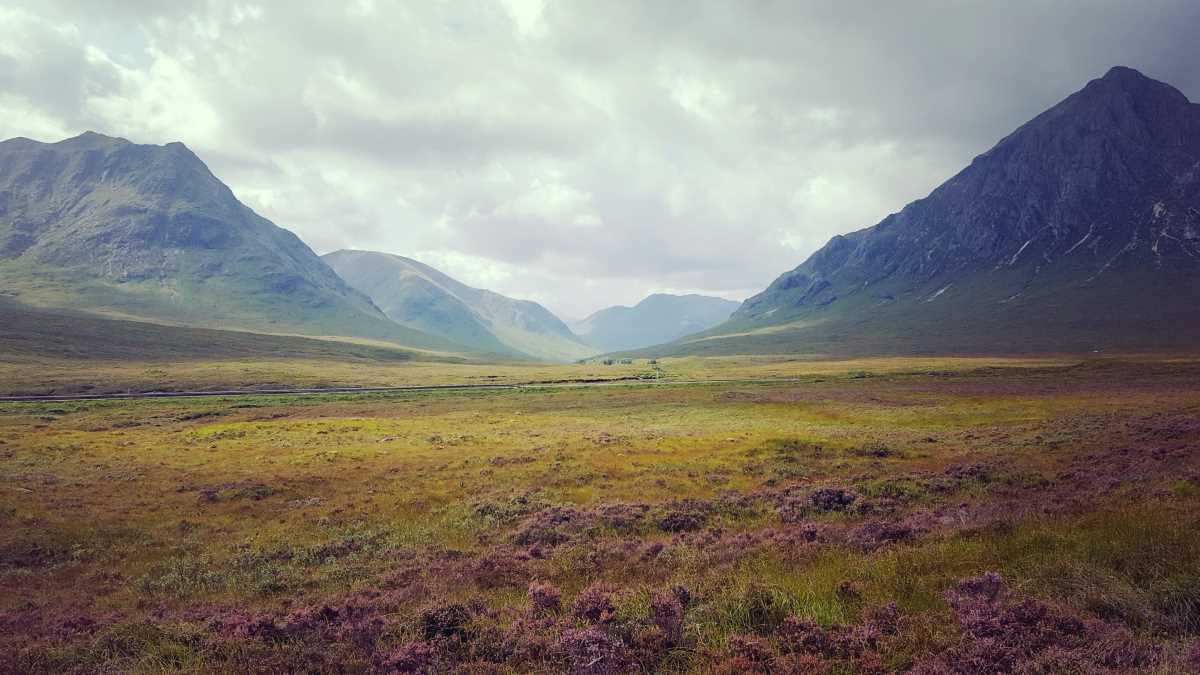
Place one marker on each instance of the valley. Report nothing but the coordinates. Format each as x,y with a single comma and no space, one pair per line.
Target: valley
574,350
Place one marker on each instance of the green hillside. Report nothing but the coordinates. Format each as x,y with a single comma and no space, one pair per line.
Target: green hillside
416,295
101,224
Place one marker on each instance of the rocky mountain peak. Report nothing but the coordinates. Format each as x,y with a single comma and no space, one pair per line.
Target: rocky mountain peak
1122,113
1132,81
1098,190
91,140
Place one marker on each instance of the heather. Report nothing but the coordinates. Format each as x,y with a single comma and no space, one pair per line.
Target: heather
1009,520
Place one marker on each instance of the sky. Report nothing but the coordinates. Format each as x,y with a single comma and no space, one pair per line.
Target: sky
580,154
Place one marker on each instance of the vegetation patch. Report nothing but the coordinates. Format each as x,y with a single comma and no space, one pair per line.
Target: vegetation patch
1008,520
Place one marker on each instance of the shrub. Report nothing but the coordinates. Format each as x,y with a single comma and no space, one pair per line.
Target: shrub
831,499
666,611
751,649
876,534
592,651
545,597
595,603
682,521
445,621
876,449
792,510
802,636
500,568
623,518
885,619
987,586
414,657
1029,636
545,527
354,623
648,646
683,595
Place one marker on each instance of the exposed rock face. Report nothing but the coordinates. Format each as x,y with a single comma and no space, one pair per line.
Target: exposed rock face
1086,218
148,230
419,296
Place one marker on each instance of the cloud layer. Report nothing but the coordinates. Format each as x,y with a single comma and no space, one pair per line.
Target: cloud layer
580,154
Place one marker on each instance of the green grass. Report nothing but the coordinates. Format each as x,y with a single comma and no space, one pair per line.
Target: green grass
237,299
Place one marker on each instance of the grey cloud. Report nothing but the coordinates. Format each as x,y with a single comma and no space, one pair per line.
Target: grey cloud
583,153
49,64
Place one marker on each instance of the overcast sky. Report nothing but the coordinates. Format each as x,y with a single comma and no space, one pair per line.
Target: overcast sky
581,154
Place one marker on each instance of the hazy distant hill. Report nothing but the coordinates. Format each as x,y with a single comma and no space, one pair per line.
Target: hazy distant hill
656,319
99,223
1079,231
419,296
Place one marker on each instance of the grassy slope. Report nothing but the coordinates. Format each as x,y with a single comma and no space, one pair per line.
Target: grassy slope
1129,310
548,347
32,332
216,303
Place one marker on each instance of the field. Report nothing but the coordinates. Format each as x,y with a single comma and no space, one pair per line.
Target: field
889,515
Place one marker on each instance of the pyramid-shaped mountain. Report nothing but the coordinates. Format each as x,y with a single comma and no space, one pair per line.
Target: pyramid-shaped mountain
1078,231
148,232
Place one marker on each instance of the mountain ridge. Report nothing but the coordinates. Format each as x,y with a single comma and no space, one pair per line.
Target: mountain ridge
420,296
1078,230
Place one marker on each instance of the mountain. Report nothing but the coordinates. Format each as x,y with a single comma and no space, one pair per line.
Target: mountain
657,319
416,295
1078,231
146,231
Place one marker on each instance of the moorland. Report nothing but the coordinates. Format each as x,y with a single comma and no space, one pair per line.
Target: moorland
875,515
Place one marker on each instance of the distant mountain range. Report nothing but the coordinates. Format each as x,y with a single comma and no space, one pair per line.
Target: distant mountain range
416,295
657,319
144,231
1079,231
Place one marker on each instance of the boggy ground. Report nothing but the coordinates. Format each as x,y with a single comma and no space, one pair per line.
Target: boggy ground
40,375
1024,519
